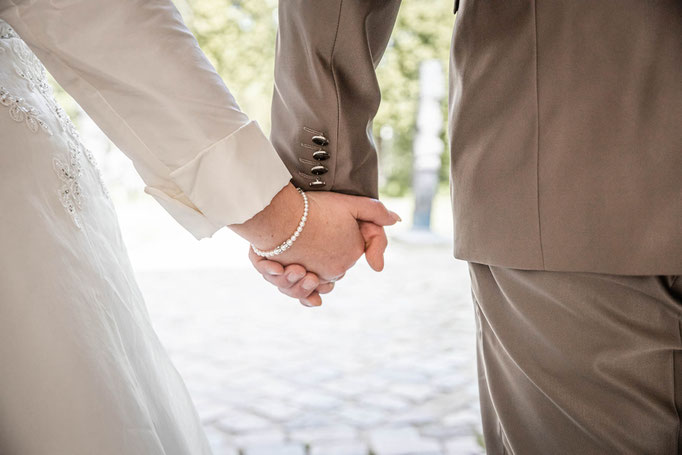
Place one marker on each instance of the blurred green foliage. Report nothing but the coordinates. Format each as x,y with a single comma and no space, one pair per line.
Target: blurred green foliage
239,38
423,30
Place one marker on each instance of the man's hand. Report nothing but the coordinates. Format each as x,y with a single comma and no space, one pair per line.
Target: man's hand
340,228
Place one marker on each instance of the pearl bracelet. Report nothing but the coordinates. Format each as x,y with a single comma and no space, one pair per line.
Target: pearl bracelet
290,241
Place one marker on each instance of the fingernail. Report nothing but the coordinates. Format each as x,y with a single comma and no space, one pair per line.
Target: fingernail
395,216
273,272
309,304
294,277
309,284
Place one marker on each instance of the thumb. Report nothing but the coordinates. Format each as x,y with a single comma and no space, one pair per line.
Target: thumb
375,244
372,210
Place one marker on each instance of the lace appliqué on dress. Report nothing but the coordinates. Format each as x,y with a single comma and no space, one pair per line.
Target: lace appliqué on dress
93,162
68,169
6,31
30,69
20,112
70,194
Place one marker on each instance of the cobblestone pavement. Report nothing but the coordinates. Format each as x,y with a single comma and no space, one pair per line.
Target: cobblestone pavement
385,367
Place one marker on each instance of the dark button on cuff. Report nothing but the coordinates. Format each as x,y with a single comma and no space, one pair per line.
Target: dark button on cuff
317,184
321,155
320,140
319,170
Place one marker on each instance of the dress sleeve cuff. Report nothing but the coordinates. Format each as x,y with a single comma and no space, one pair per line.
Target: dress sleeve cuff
235,178
183,212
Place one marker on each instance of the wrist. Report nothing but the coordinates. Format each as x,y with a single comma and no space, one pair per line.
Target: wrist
271,226
289,242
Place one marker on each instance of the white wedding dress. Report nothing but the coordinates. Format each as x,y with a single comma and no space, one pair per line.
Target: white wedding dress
81,369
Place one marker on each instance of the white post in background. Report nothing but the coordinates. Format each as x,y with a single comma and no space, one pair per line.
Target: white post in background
428,147
385,149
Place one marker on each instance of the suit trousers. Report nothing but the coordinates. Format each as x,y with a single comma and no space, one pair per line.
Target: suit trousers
578,363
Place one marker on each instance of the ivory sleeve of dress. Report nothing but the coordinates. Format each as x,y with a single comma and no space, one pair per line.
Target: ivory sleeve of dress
139,73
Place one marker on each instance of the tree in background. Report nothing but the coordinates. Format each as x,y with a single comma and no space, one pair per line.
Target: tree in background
239,39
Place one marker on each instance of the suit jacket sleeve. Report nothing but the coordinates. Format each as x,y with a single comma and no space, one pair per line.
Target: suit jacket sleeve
139,73
326,92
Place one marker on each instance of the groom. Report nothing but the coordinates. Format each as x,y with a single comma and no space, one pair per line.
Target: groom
566,142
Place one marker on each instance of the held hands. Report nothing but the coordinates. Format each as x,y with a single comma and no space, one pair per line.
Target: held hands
339,229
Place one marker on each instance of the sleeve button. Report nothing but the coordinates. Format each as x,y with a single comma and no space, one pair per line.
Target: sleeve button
320,140
319,170
317,184
321,155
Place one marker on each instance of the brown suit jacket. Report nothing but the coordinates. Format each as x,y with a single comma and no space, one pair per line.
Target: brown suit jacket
565,124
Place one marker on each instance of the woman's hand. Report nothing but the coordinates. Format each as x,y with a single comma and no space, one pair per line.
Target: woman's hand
295,281
339,229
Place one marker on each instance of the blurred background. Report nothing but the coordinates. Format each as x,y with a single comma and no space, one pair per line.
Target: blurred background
387,365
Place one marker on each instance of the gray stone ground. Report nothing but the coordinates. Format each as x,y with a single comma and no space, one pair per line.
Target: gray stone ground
385,367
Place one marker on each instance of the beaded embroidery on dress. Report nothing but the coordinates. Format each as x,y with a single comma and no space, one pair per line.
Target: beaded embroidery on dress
20,111
83,371
67,166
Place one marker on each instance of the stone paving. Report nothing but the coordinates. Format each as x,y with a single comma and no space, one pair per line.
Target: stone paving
385,367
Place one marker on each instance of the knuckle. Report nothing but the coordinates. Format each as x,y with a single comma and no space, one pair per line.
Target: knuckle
271,279
298,293
283,284
288,292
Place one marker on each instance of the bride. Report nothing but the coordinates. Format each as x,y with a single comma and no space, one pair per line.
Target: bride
82,371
